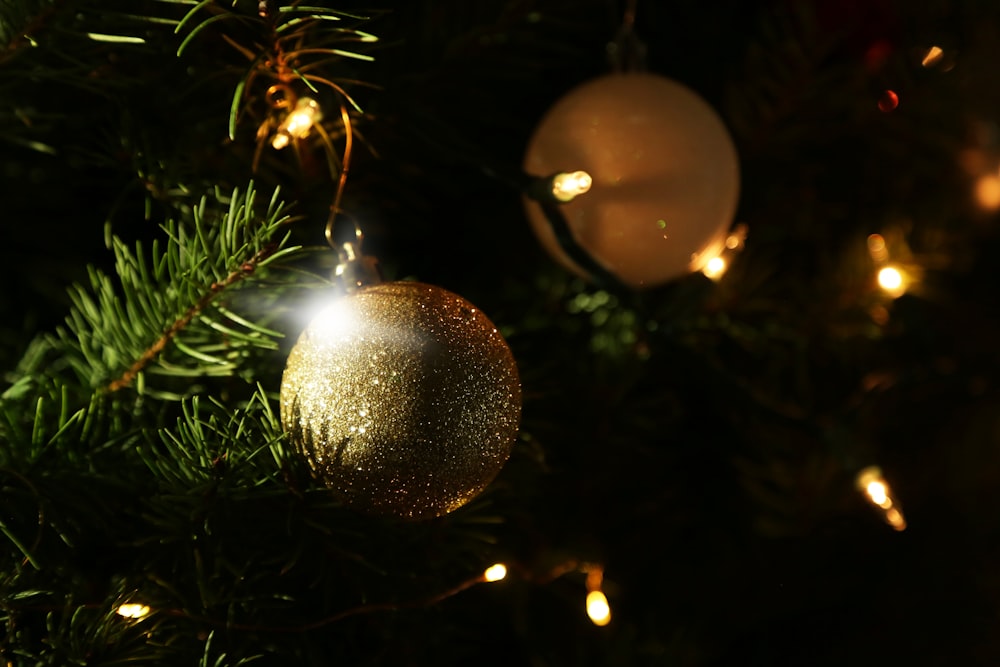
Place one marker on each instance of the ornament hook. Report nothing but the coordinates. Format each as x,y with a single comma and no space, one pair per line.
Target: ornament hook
354,269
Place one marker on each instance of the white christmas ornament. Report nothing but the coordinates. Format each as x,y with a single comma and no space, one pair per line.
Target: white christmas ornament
661,175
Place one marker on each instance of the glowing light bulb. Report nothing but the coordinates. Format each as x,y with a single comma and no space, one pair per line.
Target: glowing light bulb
598,608
715,268
568,186
932,57
891,280
878,493
495,572
133,610
298,123
871,481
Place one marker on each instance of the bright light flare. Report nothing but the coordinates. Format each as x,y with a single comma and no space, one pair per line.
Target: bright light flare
495,572
891,280
335,323
598,608
568,186
133,610
874,486
878,494
298,123
715,268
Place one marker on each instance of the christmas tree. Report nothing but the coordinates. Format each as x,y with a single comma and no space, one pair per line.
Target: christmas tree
787,454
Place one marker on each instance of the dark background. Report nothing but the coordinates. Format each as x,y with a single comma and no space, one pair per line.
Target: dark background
699,439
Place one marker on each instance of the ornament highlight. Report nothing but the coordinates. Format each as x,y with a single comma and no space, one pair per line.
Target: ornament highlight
404,398
662,177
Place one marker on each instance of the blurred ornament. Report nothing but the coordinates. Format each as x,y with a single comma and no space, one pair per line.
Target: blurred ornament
889,101
869,29
644,174
403,397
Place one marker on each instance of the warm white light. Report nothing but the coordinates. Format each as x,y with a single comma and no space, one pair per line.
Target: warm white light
279,141
336,322
891,280
597,608
878,494
568,186
133,610
871,481
932,57
495,572
298,123
715,268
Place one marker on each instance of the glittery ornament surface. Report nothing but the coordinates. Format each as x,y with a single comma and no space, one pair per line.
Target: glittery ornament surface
404,398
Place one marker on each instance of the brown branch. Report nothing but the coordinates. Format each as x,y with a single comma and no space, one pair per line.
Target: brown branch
594,575
339,616
181,322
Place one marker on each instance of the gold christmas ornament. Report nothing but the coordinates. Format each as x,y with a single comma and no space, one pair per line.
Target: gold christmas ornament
404,398
660,179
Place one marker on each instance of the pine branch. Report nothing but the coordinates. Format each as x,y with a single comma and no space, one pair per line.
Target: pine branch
161,312
281,45
213,445
32,18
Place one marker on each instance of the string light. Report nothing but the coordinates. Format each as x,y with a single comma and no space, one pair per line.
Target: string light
892,281
598,608
876,489
133,610
495,572
717,266
568,186
892,278
298,123
932,57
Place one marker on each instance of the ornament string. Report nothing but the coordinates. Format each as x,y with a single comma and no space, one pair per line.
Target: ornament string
345,165
540,190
